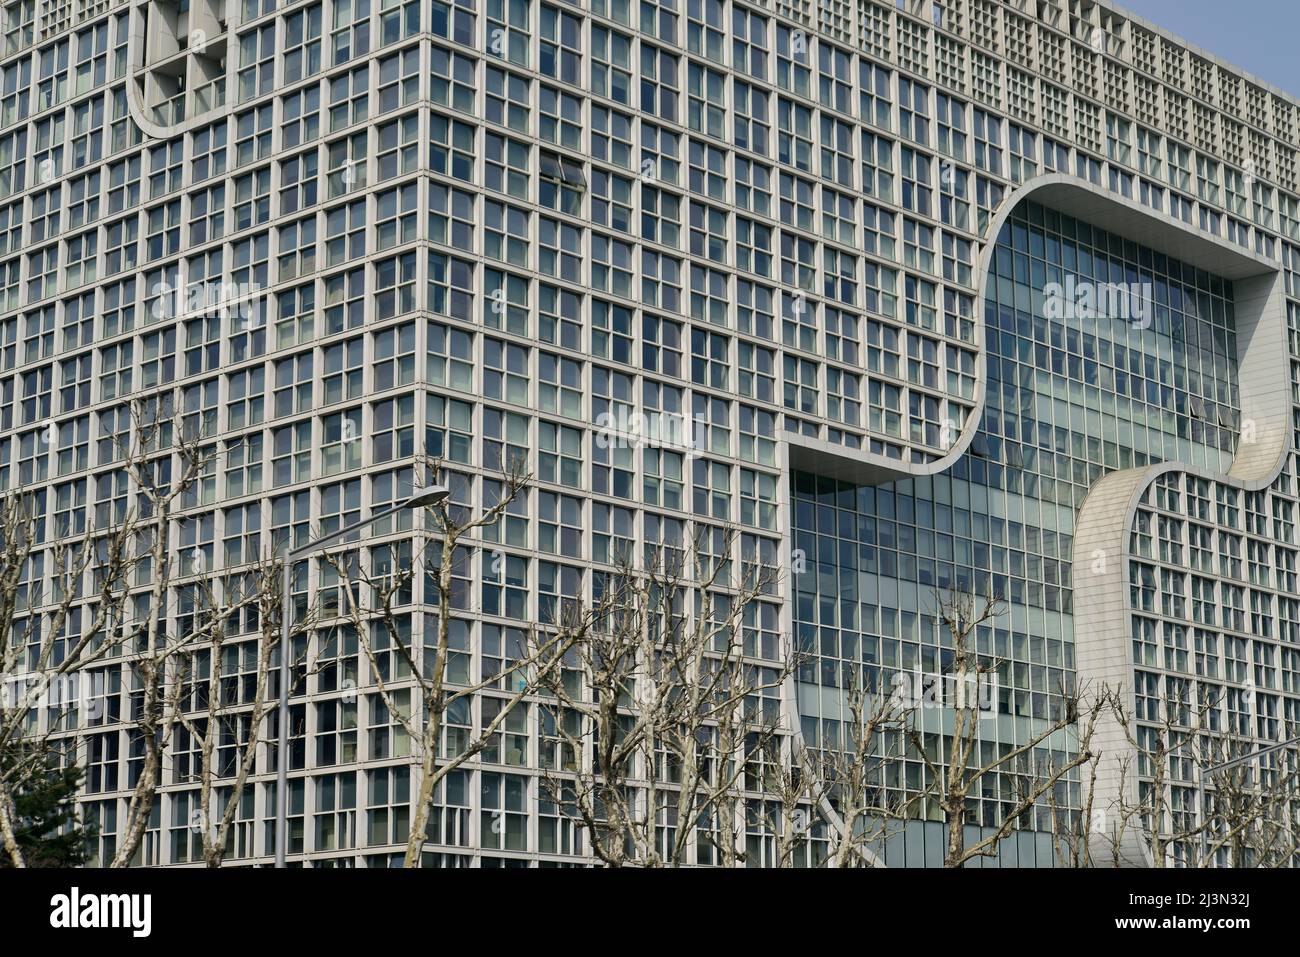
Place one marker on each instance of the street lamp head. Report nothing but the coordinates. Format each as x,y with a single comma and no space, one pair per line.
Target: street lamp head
427,496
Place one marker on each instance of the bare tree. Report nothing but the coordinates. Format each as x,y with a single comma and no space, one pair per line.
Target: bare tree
789,808
372,611
855,780
1251,808
720,733
184,616
1202,795
1162,753
592,718
48,641
1272,838
669,718
165,462
1073,831
230,729
952,769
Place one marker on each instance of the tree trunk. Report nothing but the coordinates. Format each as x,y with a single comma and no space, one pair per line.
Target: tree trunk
420,823
7,825
956,815
139,817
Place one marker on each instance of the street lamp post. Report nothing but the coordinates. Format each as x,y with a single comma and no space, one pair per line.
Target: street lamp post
432,495
1200,780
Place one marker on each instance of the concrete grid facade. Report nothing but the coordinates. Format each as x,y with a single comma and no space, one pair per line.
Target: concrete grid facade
475,229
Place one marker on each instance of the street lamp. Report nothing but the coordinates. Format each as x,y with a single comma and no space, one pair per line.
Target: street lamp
421,498
1200,780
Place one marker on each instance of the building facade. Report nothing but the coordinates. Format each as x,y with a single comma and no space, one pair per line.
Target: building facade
844,245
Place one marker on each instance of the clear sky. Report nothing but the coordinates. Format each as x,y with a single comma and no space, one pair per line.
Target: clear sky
1259,36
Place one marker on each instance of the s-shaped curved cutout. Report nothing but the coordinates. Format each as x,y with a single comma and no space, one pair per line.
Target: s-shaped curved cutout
1106,516
1116,214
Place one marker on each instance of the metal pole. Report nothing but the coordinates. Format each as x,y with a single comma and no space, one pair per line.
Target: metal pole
1205,825
282,751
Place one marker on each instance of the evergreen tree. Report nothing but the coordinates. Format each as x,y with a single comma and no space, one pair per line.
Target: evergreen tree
47,831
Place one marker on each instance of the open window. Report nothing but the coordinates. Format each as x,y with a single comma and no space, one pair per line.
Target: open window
563,183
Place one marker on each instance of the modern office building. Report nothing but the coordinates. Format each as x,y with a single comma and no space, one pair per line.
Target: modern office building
854,246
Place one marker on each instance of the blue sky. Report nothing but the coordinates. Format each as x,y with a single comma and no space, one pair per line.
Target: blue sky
1259,36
